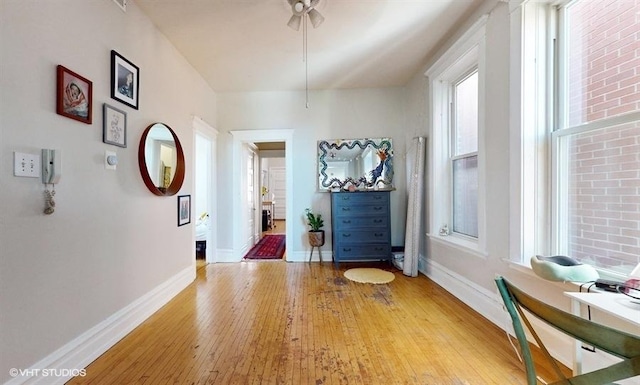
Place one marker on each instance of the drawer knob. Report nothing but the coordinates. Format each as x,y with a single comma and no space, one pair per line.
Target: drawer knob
346,209
344,235
346,221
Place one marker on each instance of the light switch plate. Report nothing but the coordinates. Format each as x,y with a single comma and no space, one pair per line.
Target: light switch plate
26,165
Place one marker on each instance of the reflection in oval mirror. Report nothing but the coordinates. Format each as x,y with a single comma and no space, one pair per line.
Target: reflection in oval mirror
161,160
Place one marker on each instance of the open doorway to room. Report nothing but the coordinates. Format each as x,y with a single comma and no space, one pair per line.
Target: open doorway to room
273,187
203,205
266,171
275,146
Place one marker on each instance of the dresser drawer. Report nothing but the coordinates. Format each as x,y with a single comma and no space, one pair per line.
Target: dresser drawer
348,199
360,209
369,221
362,236
355,252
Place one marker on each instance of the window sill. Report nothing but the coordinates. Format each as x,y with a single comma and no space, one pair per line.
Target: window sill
576,286
459,243
526,269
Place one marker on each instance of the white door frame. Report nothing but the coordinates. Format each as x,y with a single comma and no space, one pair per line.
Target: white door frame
202,128
258,136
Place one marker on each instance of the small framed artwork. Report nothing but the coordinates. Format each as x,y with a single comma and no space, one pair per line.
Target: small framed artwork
184,209
114,128
73,95
125,80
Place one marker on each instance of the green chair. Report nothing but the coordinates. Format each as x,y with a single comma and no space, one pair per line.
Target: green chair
618,343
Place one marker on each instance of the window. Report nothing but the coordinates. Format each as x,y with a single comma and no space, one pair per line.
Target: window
581,116
464,155
455,80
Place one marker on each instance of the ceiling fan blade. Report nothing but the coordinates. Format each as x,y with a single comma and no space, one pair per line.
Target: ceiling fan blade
294,22
315,17
314,3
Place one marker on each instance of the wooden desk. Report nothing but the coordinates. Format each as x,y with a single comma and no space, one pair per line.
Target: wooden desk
617,305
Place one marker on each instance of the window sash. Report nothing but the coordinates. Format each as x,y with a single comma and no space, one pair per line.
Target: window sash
465,195
464,119
572,208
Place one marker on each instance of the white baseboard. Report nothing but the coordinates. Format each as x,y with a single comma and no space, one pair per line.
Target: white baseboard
303,256
485,302
225,255
489,304
81,351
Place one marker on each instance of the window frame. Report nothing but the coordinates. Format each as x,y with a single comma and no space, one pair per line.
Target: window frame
460,60
454,155
539,126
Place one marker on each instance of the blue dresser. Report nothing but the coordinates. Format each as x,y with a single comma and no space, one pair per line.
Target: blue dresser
360,226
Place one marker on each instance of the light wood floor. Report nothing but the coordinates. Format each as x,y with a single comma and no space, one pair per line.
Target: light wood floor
301,323
280,227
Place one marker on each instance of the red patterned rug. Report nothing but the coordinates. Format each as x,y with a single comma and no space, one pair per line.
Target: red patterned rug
269,247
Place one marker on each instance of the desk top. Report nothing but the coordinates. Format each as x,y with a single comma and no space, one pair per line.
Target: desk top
615,304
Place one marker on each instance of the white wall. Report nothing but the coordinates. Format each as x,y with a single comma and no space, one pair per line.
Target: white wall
103,248
332,115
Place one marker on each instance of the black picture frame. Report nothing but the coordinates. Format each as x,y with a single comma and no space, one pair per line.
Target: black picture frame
114,126
74,95
125,80
184,210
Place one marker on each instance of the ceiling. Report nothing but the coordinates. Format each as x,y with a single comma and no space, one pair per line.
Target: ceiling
246,45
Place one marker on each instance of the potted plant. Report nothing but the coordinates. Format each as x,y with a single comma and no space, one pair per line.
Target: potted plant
316,235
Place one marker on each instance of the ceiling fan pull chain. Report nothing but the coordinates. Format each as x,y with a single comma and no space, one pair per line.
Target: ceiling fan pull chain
306,62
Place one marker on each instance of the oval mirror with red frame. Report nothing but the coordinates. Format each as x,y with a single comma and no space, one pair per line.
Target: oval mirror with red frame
161,160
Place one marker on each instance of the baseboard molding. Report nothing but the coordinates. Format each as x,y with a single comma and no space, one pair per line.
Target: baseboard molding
225,255
81,351
489,305
303,256
485,302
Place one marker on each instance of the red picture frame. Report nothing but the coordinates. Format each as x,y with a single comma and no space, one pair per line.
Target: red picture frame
74,95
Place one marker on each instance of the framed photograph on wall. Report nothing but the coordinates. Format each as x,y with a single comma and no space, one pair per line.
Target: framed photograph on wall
114,127
184,209
73,95
125,80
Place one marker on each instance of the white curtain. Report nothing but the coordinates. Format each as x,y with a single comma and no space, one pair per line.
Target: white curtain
413,233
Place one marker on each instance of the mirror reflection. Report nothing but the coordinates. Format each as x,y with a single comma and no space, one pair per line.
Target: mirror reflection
161,160
361,163
161,155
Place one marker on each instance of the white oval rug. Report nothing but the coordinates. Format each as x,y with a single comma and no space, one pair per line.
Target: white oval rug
369,275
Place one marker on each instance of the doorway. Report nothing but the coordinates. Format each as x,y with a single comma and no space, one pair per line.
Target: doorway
204,203
240,140
273,187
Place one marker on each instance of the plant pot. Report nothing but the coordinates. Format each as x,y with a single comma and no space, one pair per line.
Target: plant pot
316,238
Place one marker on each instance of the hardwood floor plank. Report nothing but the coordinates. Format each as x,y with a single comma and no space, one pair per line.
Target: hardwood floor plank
299,323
